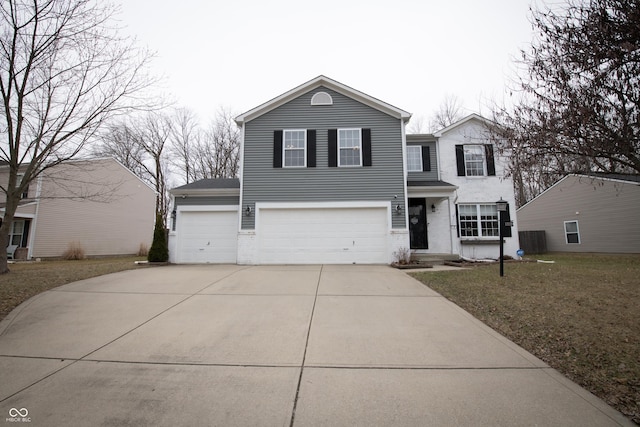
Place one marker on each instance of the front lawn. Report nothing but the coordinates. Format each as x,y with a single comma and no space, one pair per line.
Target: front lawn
580,315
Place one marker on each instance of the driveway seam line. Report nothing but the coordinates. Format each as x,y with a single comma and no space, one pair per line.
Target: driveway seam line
159,314
76,360
254,365
306,346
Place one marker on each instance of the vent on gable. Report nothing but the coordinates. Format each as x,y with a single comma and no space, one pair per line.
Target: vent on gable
321,98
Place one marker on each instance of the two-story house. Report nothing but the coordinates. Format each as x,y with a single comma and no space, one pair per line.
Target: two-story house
329,176
98,204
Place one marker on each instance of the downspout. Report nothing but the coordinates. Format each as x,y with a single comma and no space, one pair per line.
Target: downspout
241,178
405,176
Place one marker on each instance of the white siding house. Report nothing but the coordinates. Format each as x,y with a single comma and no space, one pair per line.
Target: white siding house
96,203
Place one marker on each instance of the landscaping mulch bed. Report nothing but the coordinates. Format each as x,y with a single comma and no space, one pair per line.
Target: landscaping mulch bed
580,315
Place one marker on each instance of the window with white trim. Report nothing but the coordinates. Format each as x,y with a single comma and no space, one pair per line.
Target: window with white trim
474,163
25,192
478,220
414,158
15,233
349,147
572,232
294,148
321,98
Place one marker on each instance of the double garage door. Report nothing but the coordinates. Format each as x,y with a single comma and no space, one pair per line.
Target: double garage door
322,235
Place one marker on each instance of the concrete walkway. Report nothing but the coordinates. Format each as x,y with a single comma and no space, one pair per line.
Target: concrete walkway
272,346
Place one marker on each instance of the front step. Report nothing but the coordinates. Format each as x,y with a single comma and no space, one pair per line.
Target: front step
433,259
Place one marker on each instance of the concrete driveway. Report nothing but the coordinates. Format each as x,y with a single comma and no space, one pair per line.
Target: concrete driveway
272,346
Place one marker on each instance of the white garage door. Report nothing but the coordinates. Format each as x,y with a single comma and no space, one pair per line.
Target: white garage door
207,237
323,236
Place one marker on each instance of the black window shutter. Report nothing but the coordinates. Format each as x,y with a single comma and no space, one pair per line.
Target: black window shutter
426,159
333,148
491,165
460,160
25,234
506,217
311,148
277,148
366,147
457,222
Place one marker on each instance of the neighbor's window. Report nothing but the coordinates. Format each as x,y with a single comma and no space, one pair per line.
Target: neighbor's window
478,220
25,192
474,160
349,147
15,233
572,232
414,158
294,147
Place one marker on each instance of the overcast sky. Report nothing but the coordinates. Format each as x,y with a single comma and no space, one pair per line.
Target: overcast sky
408,53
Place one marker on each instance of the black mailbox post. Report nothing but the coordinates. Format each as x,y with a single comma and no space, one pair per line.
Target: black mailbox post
502,207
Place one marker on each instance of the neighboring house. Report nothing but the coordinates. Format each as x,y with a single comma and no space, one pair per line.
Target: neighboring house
97,203
587,213
328,176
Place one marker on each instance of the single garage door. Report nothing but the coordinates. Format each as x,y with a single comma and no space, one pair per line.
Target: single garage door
207,237
323,236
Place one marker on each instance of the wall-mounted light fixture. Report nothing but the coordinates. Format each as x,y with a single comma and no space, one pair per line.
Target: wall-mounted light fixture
398,209
247,211
433,208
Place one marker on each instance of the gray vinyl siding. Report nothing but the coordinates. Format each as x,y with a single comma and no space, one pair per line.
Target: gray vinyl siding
380,182
207,200
604,210
431,175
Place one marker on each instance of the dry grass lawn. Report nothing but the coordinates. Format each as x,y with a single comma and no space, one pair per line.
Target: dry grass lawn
580,315
28,279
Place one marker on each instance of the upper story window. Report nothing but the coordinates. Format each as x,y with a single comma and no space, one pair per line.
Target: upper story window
475,160
414,158
478,220
294,148
349,147
321,98
571,232
25,192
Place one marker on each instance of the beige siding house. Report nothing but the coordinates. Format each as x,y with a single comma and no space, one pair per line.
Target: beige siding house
583,213
98,203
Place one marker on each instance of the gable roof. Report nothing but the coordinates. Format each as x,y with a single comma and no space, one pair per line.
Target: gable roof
623,178
470,117
329,84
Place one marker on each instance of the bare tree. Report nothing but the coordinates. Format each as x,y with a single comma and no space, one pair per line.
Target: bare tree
153,136
417,125
577,105
119,140
217,154
142,145
64,70
186,137
449,112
